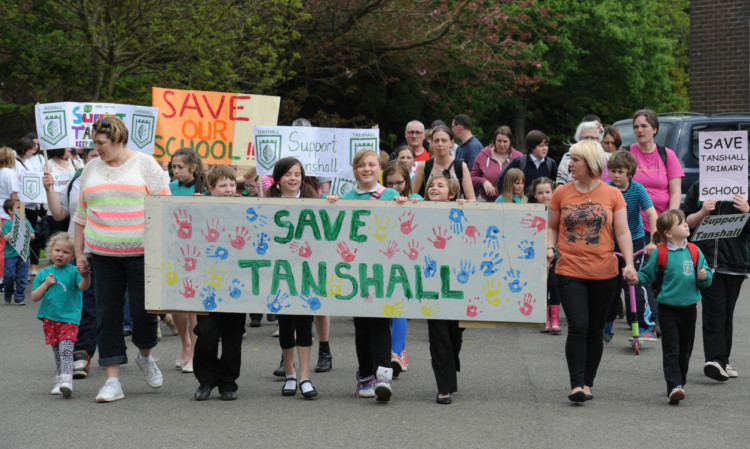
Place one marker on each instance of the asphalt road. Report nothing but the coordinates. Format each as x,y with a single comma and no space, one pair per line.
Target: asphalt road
512,394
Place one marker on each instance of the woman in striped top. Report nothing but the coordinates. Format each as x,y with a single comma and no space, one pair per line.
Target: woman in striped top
109,221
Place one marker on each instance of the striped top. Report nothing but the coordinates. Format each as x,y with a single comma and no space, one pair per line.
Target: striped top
637,199
111,204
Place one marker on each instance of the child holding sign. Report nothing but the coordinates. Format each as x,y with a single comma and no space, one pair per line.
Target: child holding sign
60,288
16,271
675,268
372,335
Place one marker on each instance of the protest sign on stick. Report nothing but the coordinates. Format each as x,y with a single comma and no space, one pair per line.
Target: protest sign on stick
723,165
20,236
720,227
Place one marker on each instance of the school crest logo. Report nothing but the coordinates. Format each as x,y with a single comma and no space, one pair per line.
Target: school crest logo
357,144
340,186
142,130
687,268
31,186
267,150
54,126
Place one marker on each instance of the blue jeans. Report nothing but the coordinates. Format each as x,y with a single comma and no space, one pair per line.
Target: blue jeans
112,277
16,278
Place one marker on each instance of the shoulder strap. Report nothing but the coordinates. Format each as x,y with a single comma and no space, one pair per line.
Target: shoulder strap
548,160
70,184
661,265
377,194
427,171
662,154
693,248
522,162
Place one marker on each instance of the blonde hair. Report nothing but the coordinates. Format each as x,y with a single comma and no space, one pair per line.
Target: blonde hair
513,175
592,152
112,127
218,172
453,187
666,221
359,160
60,237
7,157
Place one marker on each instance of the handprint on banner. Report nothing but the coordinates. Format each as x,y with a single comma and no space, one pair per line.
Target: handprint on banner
370,298
334,285
457,218
212,230
473,309
183,224
217,252
514,284
169,273
235,288
345,253
215,276
527,250
527,307
188,288
537,223
391,250
492,291
256,218
302,250
407,219
414,249
189,257
275,304
470,236
382,227
394,311
261,246
490,238
467,269
242,235
209,298
490,263
430,308
430,266
440,237
311,302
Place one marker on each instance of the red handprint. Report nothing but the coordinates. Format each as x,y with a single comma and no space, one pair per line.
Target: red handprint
414,249
189,287
190,259
239,240
302,250
406,219
213,230
392,248
440,240
536,222
526,307
343,251
183,224
470,236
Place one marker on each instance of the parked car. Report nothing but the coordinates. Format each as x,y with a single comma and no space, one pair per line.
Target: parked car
678,131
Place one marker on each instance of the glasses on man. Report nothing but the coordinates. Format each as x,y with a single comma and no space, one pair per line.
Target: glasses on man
414,133
395,184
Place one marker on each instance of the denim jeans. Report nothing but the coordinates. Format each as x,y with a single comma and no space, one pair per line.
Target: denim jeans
112,277
16,278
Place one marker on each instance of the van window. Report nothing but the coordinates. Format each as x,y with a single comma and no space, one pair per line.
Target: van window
697,129
628,137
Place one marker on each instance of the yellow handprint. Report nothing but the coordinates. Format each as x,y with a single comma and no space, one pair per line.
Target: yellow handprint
493,293
216,276
169,273
334,285
395,310
382,226
429,309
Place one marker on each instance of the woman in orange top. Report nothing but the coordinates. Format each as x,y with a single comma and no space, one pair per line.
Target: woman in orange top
581,218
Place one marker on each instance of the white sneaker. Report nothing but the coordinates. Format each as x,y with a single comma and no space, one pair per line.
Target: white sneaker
276,332
111,391
382,384
731,372
56,388
676,395
66,385
715,371
154,379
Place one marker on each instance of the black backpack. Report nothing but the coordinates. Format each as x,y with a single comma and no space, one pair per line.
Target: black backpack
459,170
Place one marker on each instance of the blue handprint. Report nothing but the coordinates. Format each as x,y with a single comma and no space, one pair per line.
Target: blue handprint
489,265
457,218
209,298
430,266
217,252
490,238
277,303
527,248
514,284
234,288
254,216
312,302
261,244
467,269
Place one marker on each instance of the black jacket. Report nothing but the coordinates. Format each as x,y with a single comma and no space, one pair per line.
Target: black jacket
724,255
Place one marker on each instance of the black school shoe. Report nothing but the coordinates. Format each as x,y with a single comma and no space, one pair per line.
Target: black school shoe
202,393
325,362
228,395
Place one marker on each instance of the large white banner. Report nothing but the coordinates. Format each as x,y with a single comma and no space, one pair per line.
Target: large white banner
477,261
723,165
68,124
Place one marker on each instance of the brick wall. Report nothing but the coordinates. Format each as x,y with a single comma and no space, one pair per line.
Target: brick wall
720,56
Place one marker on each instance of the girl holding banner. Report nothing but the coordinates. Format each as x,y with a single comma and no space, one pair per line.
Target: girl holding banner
8,189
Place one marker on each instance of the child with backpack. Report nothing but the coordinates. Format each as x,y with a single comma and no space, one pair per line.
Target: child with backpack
677,268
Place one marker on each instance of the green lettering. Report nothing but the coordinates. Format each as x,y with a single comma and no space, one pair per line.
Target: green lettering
421,292
445,280
348,277
255,266
286,276
308,280
277,218
331,234
398,276
376,280
356,224
307,218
